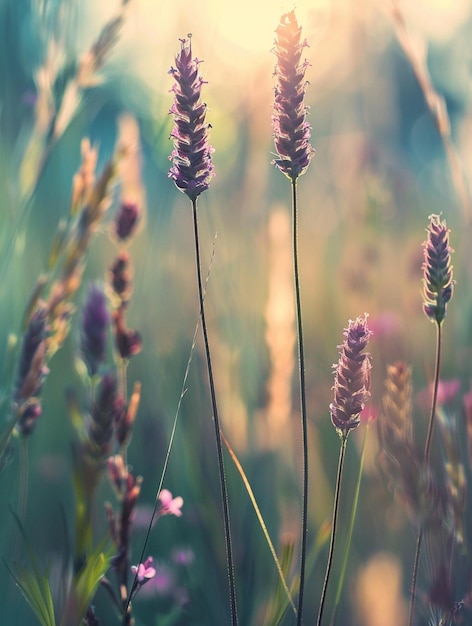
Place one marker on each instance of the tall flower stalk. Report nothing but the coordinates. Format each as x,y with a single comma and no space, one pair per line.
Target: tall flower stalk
438,287
192,170
351,392
294,152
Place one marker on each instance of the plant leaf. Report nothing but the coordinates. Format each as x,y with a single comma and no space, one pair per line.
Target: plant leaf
86,582
33,583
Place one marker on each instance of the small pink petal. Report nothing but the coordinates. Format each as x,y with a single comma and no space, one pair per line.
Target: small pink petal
170,505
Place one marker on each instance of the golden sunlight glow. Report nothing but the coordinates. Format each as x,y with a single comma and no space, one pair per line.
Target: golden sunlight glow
250,25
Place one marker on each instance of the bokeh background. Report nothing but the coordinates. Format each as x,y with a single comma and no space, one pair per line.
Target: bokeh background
379,171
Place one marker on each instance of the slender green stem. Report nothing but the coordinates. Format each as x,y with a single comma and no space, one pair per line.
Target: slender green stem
183,391
216,421
301,370
414,576
262,524
23,487
351,528
437,367
427,450
337,494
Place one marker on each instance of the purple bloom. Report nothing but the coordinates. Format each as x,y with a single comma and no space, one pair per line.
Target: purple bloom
128,342
192,167
291,130
351,378
32,372
126,220
170,505
95,320
437,268
101,425
120,276
183,556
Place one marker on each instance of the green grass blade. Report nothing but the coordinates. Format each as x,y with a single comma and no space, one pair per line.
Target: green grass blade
33,583
261,522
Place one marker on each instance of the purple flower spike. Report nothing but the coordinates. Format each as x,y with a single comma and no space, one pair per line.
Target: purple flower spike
95,320
437,270
291,130
102,420
192,167
351,377
32,372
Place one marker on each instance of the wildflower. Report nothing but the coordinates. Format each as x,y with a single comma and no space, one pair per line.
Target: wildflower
369,414
446,393
170,505
84,180
437,279
400,463
291,130
352,377
192,167
95,320
120,276
126,220
101,425
144,571
183,556
126,415
117,473
128,342
32,372
395,426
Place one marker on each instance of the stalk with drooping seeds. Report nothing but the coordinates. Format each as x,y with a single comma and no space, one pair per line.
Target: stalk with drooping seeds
438,286
294,152
192,170
351,392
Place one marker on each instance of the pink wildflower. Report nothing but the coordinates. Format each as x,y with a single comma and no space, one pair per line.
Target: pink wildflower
447,391
144,571
170,505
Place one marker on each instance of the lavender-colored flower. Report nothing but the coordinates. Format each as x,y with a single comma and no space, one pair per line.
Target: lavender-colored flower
351,377
121,275
437,270
30,367
95,321
126,220
101,425
291,130
128,342
32,372
192,167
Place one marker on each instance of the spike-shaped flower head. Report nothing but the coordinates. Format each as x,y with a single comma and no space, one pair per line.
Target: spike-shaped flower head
351,377
95,320
437,270
32,372
192,166
291,130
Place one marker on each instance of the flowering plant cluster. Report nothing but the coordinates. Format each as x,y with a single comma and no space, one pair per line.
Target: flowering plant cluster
127,557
